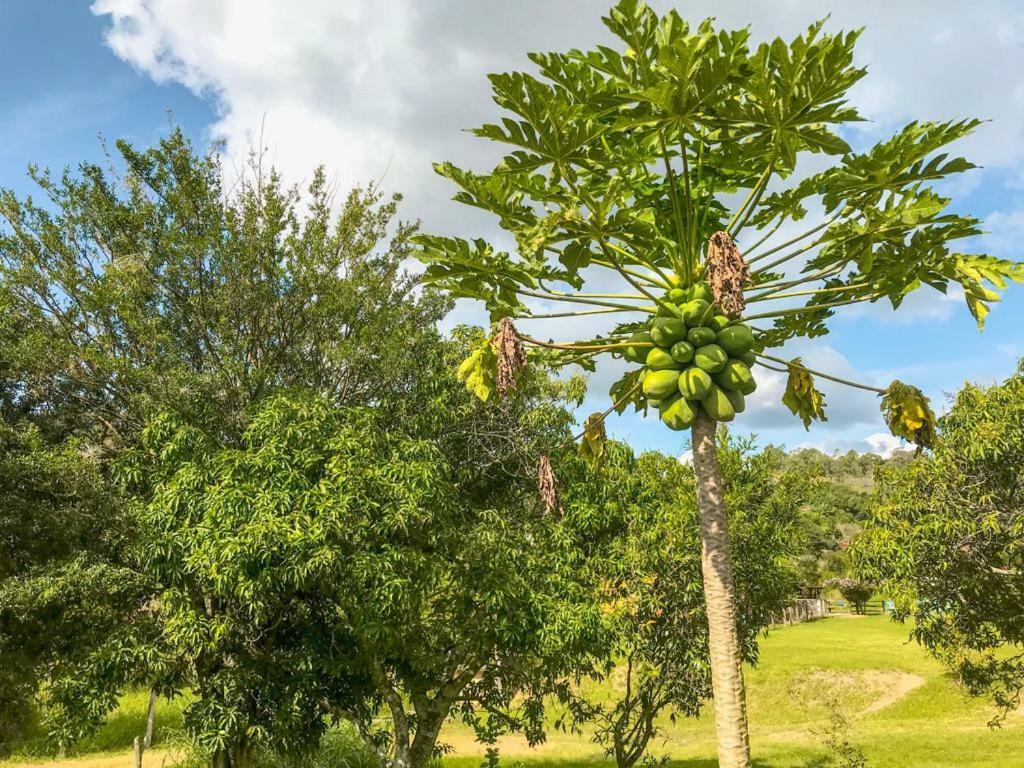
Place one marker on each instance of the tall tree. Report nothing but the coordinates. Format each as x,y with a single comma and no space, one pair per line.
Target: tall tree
158,286
653,183
946,534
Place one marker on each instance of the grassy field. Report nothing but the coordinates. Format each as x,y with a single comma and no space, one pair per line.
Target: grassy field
903,712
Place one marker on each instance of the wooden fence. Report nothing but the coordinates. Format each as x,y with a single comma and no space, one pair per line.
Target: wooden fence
803,609
869,608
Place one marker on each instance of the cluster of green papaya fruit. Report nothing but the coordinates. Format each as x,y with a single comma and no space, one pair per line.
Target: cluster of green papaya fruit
699,359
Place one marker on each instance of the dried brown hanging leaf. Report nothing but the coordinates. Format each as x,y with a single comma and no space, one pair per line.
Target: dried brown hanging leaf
548,485
511,355
727,273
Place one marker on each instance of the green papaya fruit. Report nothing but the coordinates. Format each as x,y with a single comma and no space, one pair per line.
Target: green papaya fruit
666,331
735,376
677,296
700,291
668,310
711,358
682,351
747,357
659,360
638,354
700,336
718,405
677,414
739,403
694,383
694,311
747,388
736,339
718,322
659,384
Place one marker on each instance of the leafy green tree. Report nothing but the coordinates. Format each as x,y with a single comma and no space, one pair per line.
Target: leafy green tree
648,574
856,591
650,182
946,535
61,541
157,285
385,566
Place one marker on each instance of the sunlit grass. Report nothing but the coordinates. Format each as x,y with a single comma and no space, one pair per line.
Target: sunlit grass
927,721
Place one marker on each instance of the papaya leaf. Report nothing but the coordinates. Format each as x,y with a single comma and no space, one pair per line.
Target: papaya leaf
592,446
801,396
479,371
908,414
620,392
973,271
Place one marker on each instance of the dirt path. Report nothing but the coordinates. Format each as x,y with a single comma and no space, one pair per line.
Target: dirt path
154,758
902,684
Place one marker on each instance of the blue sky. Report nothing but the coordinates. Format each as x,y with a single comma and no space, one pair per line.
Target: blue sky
378,91
69,88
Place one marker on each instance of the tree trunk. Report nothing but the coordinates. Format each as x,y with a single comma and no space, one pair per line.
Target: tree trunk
720,597
427,730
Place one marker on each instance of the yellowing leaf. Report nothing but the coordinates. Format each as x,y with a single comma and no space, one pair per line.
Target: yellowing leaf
479,371
908,414
801,396
973,271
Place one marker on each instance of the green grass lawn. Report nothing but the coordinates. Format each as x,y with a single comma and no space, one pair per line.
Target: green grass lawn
903,712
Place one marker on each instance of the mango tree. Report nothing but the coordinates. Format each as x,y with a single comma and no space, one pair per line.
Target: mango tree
946,536
660,186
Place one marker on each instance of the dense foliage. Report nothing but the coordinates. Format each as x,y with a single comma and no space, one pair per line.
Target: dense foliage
648,583
359,563
160,285
835,508
947,534
60,539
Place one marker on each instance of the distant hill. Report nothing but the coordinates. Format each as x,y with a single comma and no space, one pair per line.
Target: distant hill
837,509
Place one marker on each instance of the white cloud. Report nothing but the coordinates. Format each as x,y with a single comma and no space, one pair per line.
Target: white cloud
880,443
367,86
844,406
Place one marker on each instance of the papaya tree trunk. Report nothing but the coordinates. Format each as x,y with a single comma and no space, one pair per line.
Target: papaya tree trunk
720,597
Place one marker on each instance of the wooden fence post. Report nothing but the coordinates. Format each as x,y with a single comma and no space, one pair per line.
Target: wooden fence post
138,751
147,740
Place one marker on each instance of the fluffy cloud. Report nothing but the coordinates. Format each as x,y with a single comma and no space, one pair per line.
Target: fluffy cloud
381,89
881,443
845,407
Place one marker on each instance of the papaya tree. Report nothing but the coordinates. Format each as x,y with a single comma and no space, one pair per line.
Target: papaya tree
661,185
